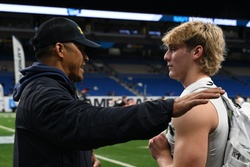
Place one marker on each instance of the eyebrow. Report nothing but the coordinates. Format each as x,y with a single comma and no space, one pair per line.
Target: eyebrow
80,47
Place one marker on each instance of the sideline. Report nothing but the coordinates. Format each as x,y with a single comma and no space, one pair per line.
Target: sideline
10,140
114,161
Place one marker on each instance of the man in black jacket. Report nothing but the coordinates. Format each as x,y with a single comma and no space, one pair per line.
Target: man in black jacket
54,128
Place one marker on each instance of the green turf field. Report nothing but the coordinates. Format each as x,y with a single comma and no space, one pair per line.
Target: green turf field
130,154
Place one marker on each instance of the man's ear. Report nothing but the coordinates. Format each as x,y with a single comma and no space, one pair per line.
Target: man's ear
59,49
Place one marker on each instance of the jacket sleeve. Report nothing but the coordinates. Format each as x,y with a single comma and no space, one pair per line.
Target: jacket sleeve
75,124
84,126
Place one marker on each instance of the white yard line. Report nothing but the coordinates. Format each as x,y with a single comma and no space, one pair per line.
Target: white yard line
10,139
7,115
7,139
6,128
114,161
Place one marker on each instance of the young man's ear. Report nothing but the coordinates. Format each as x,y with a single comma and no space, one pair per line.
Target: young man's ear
198,50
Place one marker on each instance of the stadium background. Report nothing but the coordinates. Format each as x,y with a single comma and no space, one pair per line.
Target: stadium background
129,63
132,63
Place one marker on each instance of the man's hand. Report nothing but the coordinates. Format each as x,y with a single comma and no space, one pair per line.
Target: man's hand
95,161
185,103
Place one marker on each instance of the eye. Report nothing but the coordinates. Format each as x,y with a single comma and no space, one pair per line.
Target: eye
172,48
80,47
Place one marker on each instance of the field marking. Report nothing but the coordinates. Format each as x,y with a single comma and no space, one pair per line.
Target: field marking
6,128
146,147
114,161
7,139
8,115
10,139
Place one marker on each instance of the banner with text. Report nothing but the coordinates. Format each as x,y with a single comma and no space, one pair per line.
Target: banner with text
19,58
102,101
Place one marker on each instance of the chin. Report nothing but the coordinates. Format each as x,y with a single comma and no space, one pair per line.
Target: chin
79,79
171,76
76,79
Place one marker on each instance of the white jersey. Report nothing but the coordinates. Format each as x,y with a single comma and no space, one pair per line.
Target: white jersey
218,138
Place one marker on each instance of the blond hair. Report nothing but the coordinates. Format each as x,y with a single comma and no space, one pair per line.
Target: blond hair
208,35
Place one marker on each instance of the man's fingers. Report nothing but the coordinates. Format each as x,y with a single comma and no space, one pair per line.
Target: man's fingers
196,102
208,93
185,103
203,96
213,90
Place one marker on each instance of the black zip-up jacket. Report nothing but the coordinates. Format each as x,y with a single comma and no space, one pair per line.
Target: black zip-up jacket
56,129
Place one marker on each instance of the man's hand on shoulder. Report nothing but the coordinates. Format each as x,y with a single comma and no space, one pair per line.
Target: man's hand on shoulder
185,103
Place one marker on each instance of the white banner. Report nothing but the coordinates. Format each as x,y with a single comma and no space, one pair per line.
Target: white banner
108,101
19,59
9,104
1,98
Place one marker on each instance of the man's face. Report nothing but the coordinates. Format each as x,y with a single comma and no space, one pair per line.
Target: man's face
75,61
